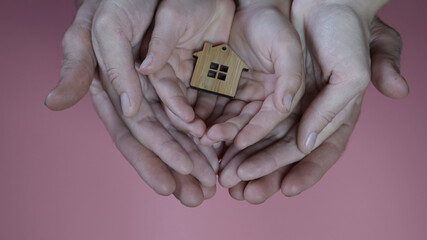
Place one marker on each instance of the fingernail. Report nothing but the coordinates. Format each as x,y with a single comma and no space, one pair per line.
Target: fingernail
287,101
125,102
49,95
290,190
147,61
311,140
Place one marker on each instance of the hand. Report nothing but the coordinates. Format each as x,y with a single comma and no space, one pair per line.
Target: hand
116,28
153,126
76,77
79,63
181,27
293,179
340,53
335,37
265,39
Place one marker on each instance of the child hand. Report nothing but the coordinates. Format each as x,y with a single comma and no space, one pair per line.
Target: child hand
180,28
265,39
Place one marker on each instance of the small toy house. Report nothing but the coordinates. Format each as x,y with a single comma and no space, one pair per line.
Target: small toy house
218,70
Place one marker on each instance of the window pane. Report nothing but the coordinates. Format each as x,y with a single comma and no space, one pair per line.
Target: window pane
214,66
224,68
212,74
222,76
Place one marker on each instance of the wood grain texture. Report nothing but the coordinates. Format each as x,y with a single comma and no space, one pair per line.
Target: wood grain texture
218,70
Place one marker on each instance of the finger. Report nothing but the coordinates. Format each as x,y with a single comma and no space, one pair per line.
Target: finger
218,110
259,190
260,125
287,58
151,169
147,129
188,190
347,83
228,130
196,127
163,41
223,111
202,170
79,61
172,93
311,169
386,46
228,177
237,192
205,105
151,133
211,156
286,151
114,52
233,159
208,192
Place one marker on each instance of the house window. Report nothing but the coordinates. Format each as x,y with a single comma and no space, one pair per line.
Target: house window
218,71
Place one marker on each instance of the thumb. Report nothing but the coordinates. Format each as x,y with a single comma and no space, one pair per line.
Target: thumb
333,101
79,62
386,46
163,41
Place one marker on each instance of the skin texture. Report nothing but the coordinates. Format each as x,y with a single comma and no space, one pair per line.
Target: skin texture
79,68
275,83
139,137
291,170
169,61
337,73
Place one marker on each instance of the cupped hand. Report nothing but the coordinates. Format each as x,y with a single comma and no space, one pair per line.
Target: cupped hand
335,37
106,34
181,27
263,36
79,62
148,140
78,70
294,171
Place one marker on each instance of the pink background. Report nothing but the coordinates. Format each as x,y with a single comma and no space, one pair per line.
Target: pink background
62,178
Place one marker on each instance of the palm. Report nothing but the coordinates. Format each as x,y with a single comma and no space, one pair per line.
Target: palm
267,42
270,165
171,52
150,132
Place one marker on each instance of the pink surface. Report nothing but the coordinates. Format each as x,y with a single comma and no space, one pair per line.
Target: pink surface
62,178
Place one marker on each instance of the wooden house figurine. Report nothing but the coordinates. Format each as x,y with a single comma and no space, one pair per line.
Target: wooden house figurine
218,70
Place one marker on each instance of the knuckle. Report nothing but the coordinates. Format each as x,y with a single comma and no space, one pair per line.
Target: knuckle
325,116
295,81
360,81
102,23
113,75
76,33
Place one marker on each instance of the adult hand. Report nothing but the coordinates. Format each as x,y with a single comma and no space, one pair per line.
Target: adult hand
79,63
148,139
341,54
292,179
116,29
335,37
77,73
